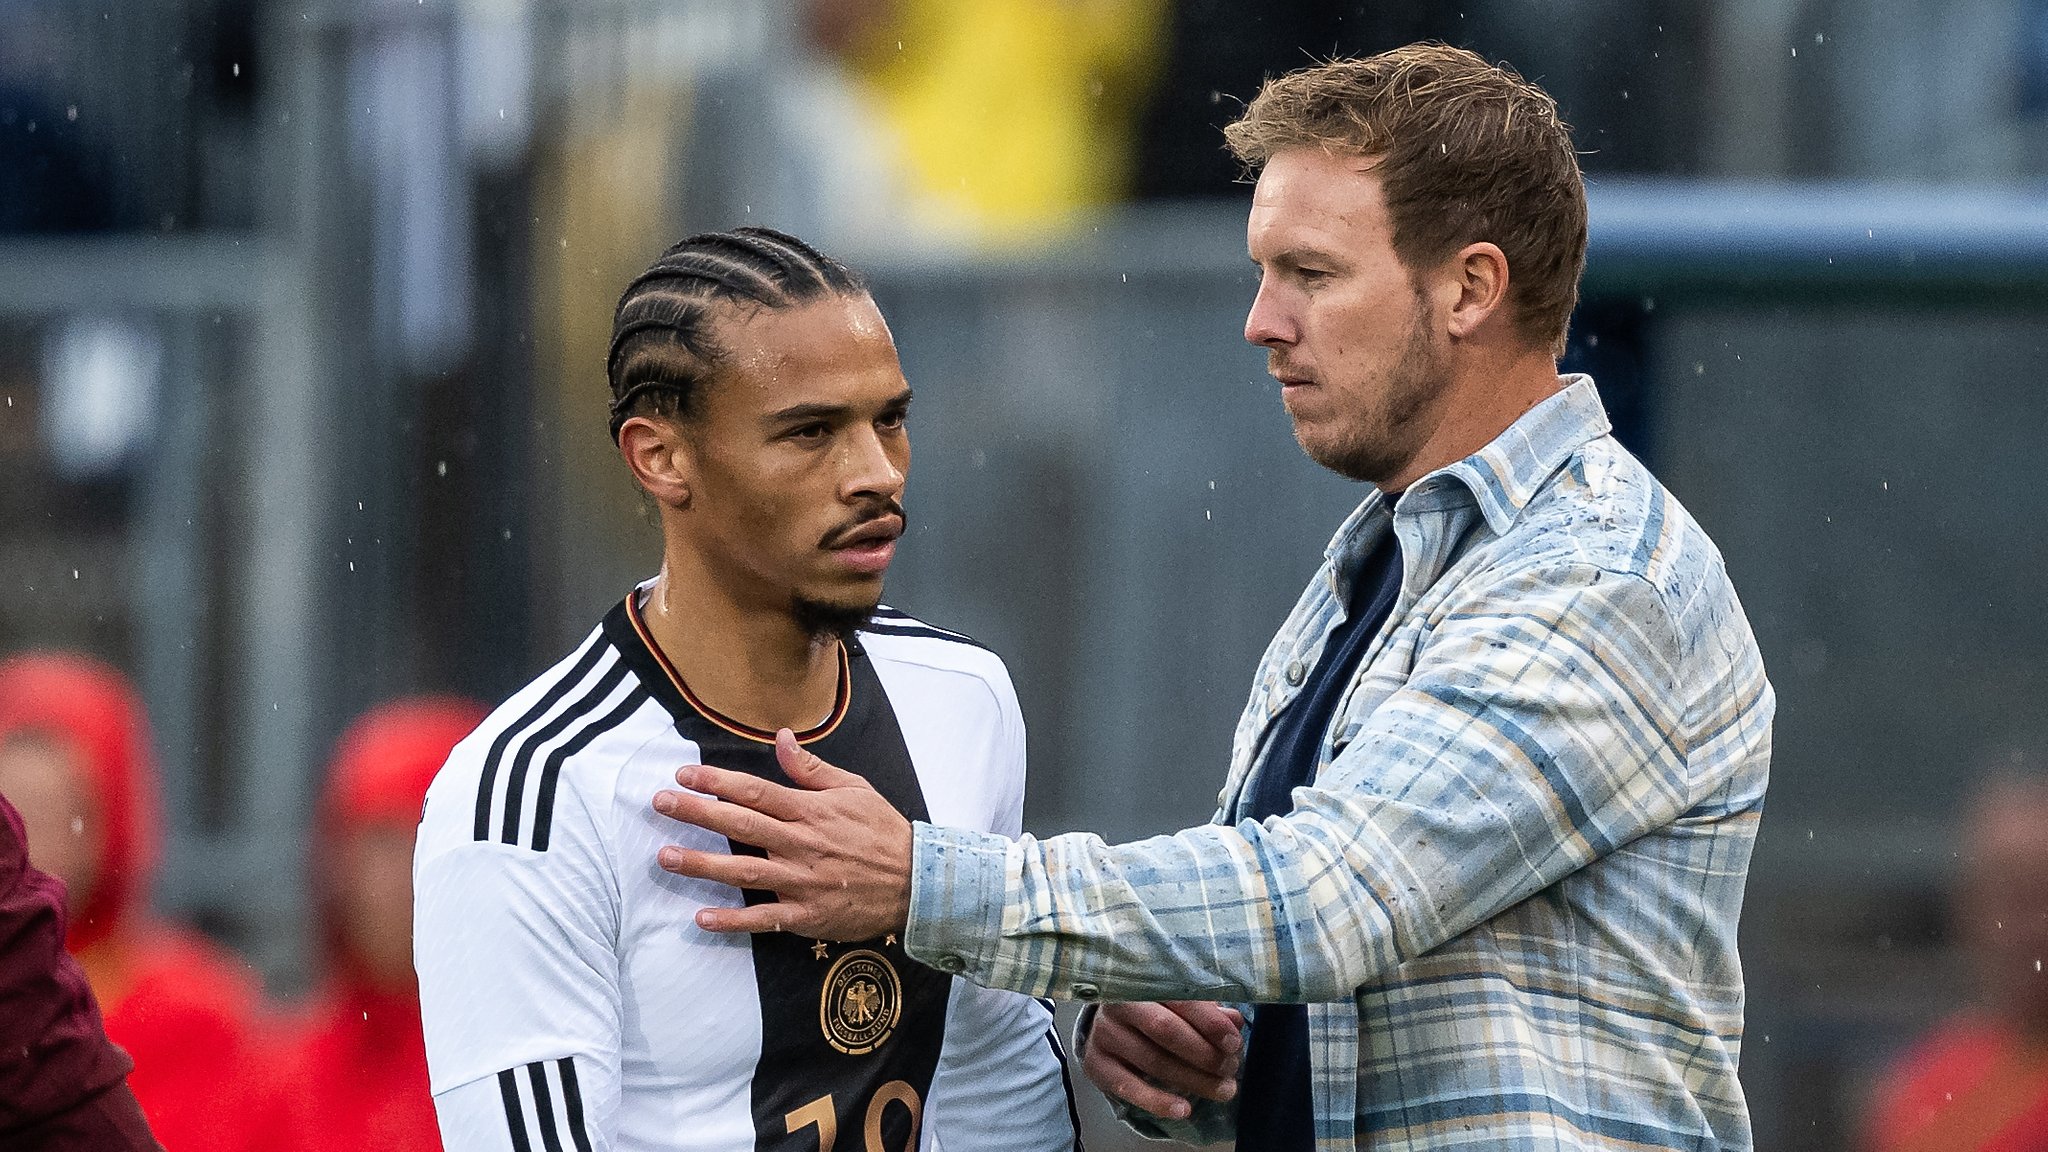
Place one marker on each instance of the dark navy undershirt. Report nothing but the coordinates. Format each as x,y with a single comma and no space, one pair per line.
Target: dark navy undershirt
1274,1112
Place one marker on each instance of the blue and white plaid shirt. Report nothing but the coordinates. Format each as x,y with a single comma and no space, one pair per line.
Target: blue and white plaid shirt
1510,896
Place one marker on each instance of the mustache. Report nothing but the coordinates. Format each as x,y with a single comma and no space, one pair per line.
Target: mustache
1277,365
869,513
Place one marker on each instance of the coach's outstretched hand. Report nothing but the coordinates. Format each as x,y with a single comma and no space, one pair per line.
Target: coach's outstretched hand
838,853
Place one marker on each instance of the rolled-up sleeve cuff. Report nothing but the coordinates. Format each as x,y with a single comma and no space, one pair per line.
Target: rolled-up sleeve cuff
957,883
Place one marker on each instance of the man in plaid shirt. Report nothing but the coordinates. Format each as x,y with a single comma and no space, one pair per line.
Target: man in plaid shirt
1490,808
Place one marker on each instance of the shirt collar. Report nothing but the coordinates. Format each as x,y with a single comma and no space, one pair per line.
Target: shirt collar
1504,475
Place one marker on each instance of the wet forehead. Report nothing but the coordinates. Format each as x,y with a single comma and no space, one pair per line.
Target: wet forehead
821,334
1306,196
834,350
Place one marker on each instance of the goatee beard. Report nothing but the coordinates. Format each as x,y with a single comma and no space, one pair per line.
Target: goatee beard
821,621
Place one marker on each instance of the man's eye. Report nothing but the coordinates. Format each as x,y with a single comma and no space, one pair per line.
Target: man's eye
893,420
1312,275
809,432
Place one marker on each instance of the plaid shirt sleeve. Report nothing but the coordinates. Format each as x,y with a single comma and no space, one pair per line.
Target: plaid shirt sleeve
1545,724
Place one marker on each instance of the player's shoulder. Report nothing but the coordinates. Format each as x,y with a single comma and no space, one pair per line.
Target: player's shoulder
895,637
507,780
892,634
533,703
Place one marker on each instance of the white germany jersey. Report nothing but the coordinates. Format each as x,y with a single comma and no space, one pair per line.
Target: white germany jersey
570,1000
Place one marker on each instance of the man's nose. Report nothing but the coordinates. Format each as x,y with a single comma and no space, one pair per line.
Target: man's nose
1269,323
871,469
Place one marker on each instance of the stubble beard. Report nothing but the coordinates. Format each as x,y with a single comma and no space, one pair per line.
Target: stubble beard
1377,444
823,621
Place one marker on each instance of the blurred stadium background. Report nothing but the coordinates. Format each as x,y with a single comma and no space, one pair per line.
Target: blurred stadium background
303,308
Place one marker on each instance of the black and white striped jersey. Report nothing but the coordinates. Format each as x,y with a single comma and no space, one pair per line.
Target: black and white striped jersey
571,1002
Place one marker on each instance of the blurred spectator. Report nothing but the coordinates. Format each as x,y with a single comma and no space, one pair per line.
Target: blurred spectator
74,758
67,1090
1009,116
1980,1082
357,1074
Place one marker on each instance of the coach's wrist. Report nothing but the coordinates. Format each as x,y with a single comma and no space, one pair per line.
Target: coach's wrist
956,897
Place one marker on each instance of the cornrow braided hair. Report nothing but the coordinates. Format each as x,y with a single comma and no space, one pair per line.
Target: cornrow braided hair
662,346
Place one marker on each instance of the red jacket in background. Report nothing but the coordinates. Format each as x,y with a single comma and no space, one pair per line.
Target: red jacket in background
1973,1086
181,1006
356,1075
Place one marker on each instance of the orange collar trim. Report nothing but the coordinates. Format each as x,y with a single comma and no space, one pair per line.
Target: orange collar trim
842,701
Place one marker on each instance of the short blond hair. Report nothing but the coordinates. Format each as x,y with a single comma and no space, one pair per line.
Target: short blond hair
1466,152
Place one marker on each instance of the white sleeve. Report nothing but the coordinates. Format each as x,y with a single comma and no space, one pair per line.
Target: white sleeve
518,975
525,1109
1002,1079
1010,761
1001,1084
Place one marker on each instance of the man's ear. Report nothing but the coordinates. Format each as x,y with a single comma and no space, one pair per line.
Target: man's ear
1476,284
660,459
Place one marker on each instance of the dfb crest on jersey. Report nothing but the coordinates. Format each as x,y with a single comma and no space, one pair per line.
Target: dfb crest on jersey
861,1002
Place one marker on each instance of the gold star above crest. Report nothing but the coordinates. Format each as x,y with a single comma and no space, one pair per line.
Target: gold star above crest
817,949
889,941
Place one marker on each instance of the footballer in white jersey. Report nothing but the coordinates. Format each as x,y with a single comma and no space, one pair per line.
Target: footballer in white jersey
571,1002
569,998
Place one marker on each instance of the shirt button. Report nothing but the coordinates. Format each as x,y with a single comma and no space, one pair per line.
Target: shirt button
952,963
1087,992
1295,673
